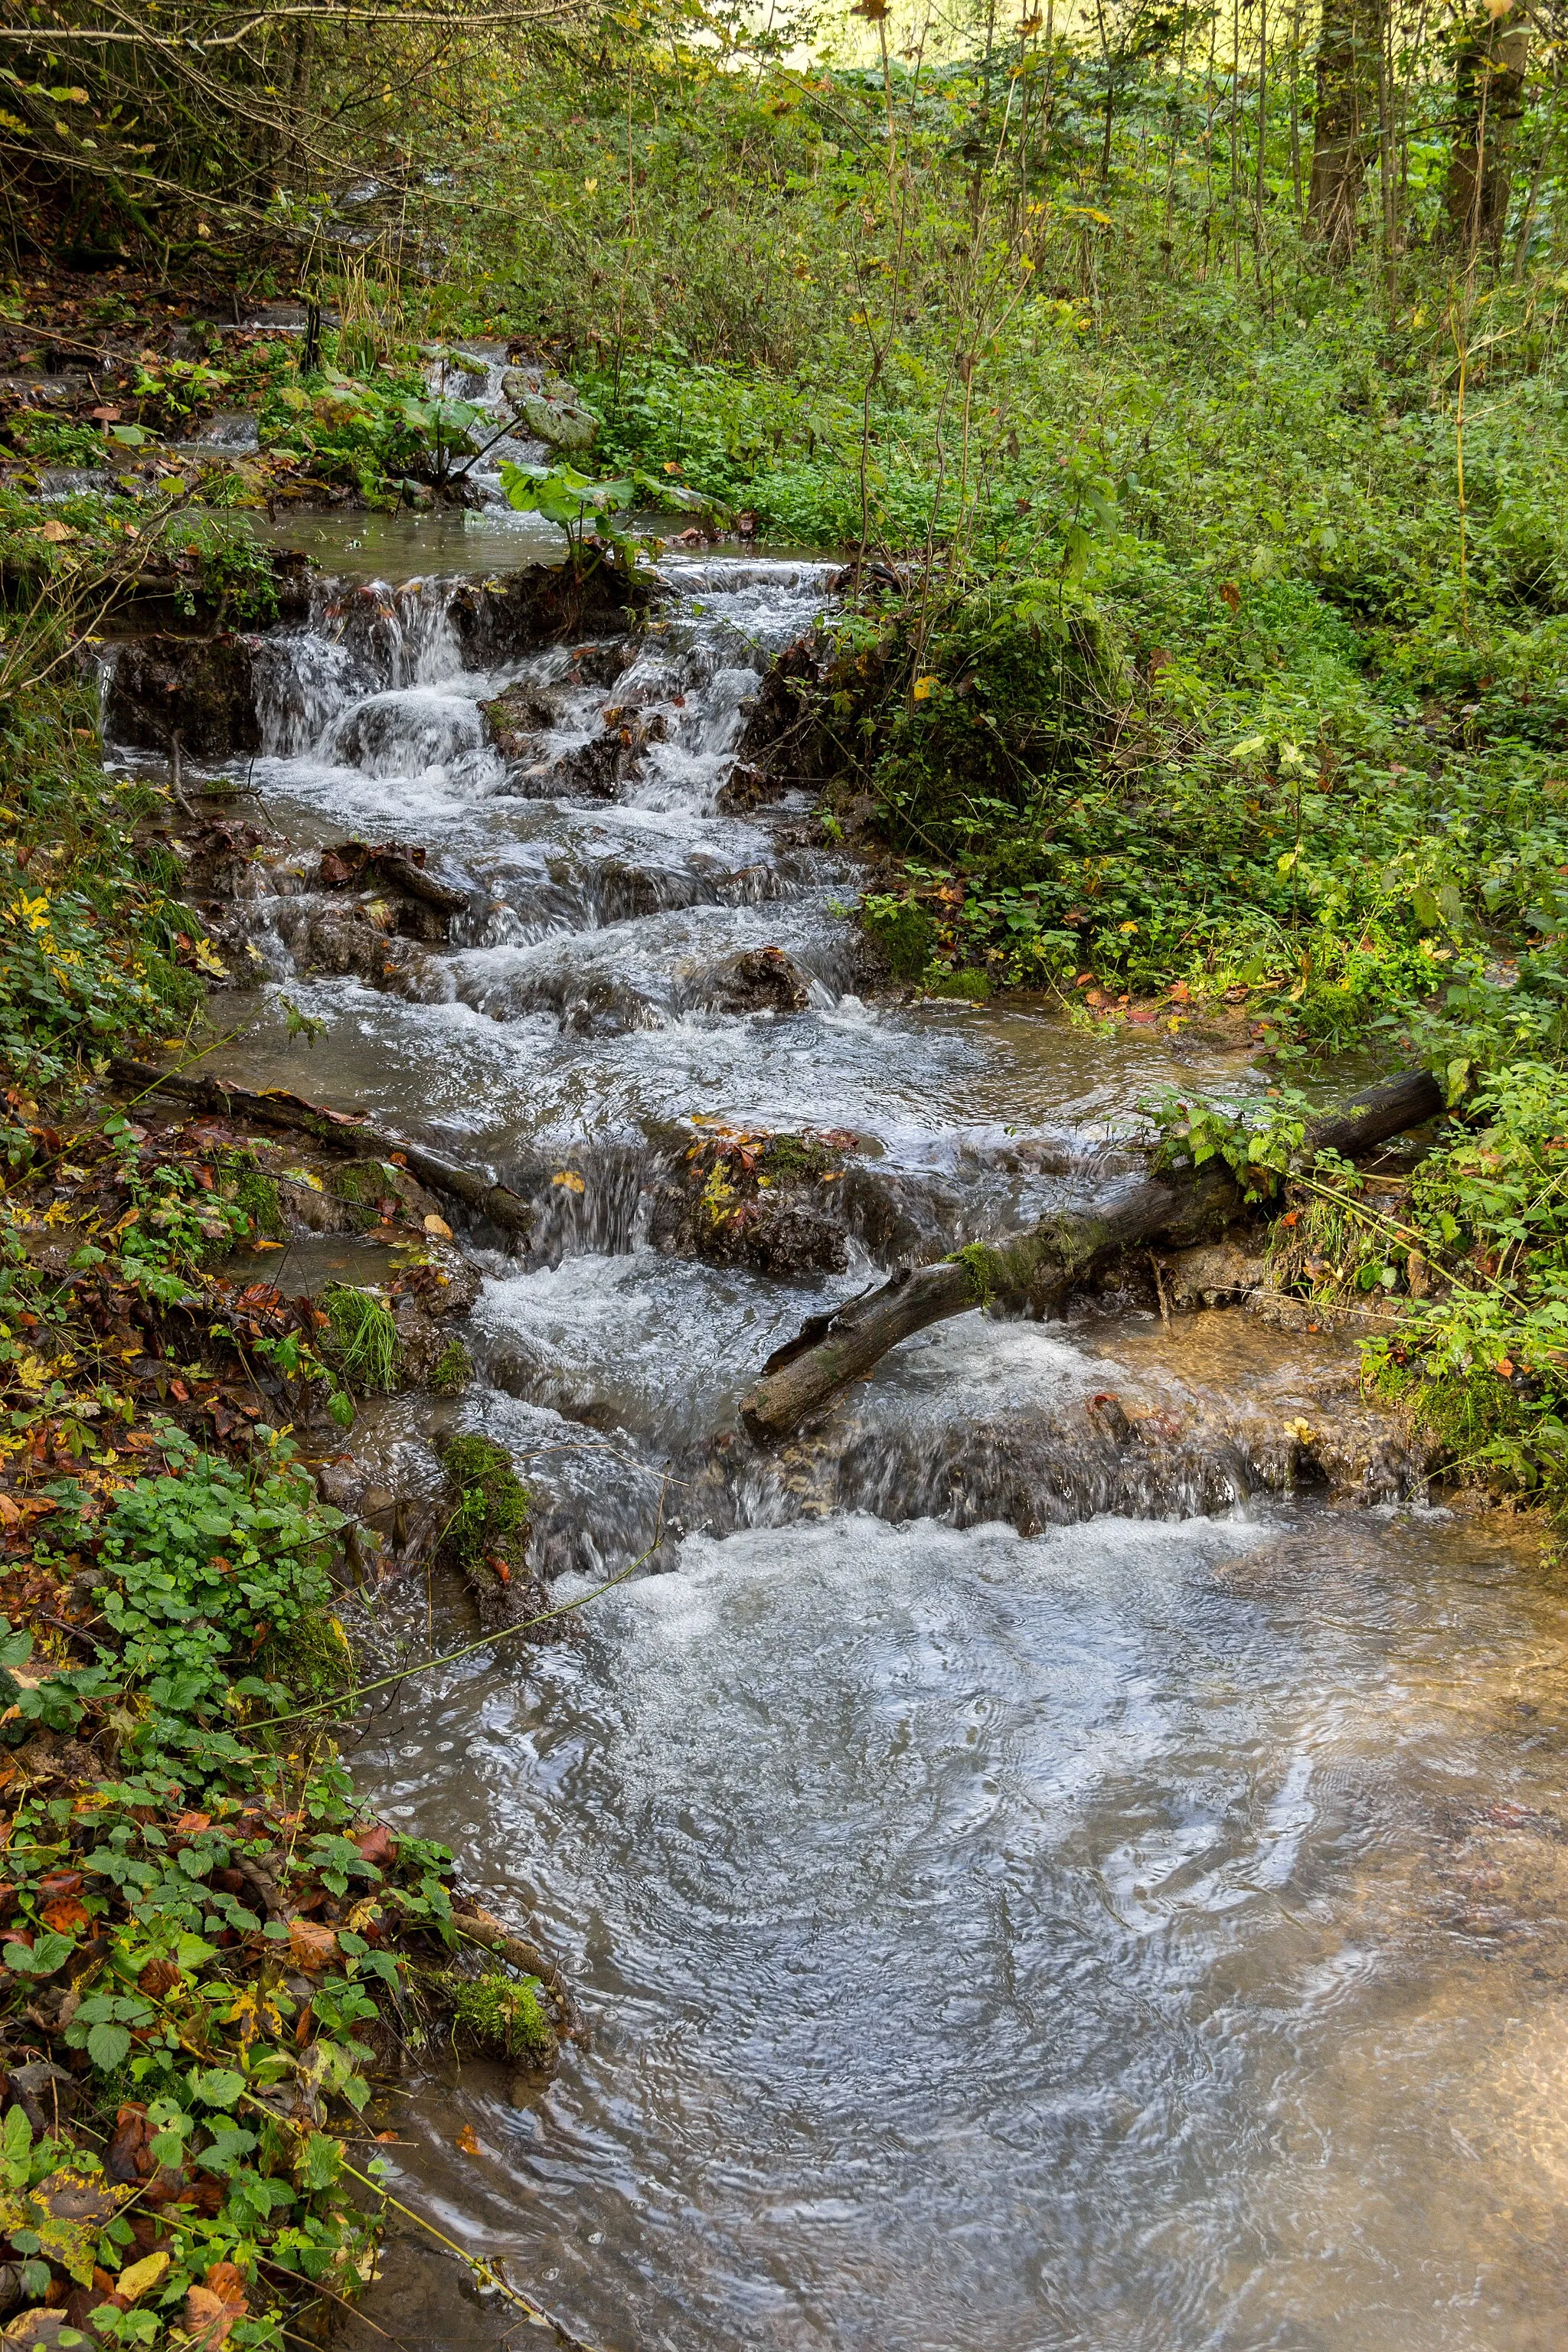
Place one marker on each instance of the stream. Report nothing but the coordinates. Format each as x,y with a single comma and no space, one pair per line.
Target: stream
1028,1889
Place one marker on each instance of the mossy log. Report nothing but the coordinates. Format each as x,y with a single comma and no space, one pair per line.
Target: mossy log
1043,1263
338,1131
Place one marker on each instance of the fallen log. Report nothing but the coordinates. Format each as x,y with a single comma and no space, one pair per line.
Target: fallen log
1042,1264
403,875
337,1129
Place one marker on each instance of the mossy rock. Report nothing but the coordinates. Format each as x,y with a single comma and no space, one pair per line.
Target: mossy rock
487,1535
362,1185
498,2016
257,1193
903,932
452,1370
969,987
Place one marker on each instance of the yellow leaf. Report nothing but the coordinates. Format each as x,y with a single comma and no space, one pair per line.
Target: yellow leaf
210,961
142,2277
439,1227
55,532
570,1181
924,688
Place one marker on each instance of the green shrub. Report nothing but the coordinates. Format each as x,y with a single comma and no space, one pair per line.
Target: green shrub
202,1571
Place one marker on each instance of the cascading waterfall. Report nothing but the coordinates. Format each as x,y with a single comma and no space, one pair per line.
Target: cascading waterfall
1035,1885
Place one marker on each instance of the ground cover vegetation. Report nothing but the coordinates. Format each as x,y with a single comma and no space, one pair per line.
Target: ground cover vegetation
1184,388
210,1956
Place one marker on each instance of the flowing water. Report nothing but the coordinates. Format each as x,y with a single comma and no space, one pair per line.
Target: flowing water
1032,1885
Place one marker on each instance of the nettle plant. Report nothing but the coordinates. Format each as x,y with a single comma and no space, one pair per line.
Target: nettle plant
202,1572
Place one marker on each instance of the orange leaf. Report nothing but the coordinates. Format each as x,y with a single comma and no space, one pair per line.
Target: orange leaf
209,2318
1505,1368
1231,594
468,2142
311,1947
226,2279
63,1916
189,1824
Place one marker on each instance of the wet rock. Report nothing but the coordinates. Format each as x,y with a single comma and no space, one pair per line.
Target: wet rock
776,1235
199,692
594,771
757,979
1108,1415
545,605
346,943
346,1196
746,788
516,719
424,906
602,664
1213,1273
554,415
786,741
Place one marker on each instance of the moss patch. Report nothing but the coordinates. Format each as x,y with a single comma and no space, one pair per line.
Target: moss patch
500,2016
972,986
488,1531
452,1370
257,1193
903,932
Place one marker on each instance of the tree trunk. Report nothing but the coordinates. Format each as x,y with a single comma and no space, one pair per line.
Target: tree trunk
1489,94
1345,110
1043,1263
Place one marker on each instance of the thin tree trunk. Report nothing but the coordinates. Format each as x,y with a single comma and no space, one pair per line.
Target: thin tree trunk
1488,99
1521,244
1296,108
1346,96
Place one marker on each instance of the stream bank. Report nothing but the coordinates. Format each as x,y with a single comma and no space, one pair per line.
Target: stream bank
1012,1801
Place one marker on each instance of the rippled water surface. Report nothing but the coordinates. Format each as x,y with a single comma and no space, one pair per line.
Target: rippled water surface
1143,1936
1005,1923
